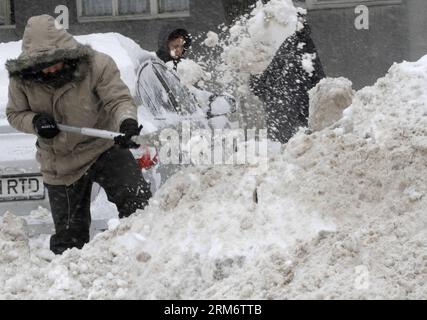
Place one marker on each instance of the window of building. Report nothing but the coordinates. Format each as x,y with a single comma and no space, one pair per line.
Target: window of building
173,5
96,10
323,4
7,16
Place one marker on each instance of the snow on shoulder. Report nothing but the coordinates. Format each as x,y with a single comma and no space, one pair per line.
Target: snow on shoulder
339,214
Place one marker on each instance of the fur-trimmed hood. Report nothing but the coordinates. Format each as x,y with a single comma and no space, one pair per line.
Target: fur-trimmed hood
44,43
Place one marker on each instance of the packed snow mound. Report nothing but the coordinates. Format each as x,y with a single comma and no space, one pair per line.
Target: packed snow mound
12,236
328,100
339,213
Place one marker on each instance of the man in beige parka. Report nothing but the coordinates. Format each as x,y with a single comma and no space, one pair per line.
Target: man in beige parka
57,80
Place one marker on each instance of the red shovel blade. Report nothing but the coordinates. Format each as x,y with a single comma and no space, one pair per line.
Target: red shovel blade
146,161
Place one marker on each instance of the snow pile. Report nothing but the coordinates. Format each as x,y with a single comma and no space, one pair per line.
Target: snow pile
328,100
198,233
13,239
339,214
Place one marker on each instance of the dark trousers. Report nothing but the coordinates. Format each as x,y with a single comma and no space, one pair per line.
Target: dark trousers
117,172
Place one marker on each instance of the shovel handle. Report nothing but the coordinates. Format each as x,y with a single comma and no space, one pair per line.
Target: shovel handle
104,134
109,135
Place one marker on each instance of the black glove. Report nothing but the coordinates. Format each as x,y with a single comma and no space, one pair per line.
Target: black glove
130,129
45,126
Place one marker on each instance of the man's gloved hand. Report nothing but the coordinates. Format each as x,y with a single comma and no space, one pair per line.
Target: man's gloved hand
130,129
45,126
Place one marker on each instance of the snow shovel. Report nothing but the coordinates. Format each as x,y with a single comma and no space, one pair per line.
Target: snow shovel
144,162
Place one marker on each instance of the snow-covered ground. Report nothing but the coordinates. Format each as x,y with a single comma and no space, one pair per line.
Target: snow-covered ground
339,214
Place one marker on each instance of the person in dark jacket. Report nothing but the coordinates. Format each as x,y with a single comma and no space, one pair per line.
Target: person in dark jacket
284,85
173,45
